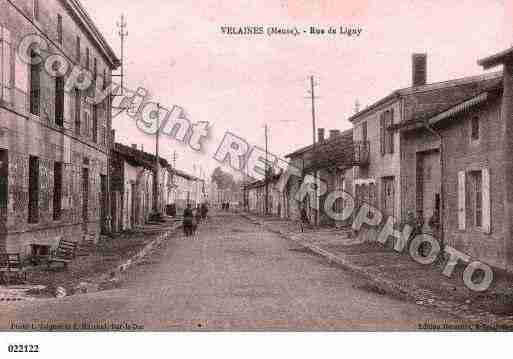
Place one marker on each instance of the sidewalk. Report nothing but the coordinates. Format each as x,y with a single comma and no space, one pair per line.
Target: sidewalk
398,274
98,269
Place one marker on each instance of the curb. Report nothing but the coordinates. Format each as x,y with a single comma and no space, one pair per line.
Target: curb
407,290
108,281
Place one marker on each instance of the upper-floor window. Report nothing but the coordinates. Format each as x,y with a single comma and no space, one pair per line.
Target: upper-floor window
364,131
78,111
33,190
59,101
35,85
476,197
104,83
88,58
386,120
59,29
474,130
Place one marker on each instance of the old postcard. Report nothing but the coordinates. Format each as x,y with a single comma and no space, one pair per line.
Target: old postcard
256,166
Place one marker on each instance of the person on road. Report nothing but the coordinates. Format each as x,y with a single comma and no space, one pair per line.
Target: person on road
188,219
197,217
303,220
204,211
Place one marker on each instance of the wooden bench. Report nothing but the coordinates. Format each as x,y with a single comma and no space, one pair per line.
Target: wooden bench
10,263
65,253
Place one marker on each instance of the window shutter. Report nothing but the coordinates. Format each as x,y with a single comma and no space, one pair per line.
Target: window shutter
461,200
20,75
6,61
486,207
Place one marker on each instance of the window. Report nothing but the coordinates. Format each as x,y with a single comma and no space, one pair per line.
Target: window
95,123
57,190
5,65
386,134
78,50
474,202
364,131
36,9
4,182
474,131
59,29
85,194
88,58
33,203
59,101
35,85
104,83
78,110
476,195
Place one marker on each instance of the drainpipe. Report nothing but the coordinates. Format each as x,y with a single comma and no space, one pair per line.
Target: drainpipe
507,118
442,192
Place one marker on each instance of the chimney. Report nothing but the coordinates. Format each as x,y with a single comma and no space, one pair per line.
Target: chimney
320,134
419,69
134,146
334,133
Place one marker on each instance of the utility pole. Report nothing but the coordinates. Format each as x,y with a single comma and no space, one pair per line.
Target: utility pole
123,33
174,159
312,96
156,180
266,172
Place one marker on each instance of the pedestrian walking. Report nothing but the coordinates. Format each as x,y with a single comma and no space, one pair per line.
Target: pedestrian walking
303,220
188,219
204,211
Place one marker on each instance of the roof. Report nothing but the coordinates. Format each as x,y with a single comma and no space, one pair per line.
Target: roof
427,90
452,111
497,59
260,183
334,151
185,175
81,15
139,157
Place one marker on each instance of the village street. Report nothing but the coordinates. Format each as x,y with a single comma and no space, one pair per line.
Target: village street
233,276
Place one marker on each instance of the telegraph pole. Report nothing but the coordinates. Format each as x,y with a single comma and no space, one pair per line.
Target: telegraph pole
123,33
156,180
312,96
312,92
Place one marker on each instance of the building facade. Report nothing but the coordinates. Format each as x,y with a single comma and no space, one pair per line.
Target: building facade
54,140
456,171
331,162
383,178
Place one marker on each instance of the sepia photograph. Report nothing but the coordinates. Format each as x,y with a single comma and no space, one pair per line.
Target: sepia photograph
226,166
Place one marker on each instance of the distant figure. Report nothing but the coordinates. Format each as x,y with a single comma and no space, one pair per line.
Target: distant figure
227,206
188,219
196,220
204,211
304,221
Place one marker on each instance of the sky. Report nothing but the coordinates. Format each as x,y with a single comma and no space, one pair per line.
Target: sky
176,50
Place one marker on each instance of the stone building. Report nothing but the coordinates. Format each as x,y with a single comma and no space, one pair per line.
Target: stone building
456,167
54,140
331,161
255,193
187,189
132,186
383,178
